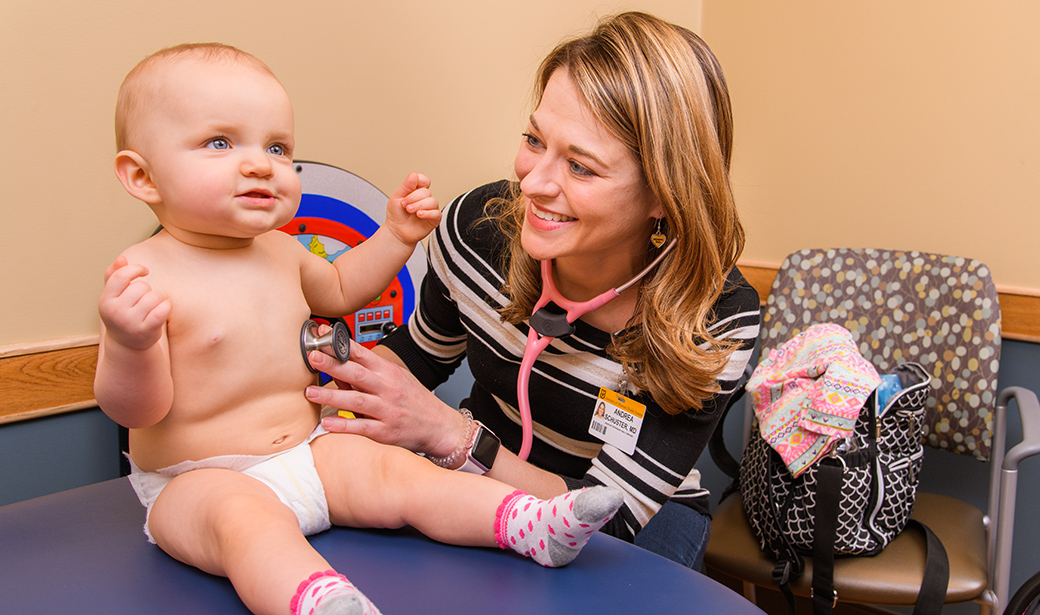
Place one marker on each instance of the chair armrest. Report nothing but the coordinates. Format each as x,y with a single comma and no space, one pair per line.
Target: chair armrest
1029,411
1002,497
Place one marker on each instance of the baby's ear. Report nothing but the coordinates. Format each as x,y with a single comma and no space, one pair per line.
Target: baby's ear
132,171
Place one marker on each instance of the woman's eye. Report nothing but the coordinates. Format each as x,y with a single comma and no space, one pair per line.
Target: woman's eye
578,169
218,143
532,140
276,149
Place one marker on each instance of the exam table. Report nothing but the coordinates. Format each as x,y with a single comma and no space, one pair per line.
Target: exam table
82,551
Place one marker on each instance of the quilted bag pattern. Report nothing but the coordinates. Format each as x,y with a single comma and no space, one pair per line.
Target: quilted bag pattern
880,462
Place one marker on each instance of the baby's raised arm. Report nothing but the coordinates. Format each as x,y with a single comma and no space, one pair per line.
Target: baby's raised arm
133,384
361,273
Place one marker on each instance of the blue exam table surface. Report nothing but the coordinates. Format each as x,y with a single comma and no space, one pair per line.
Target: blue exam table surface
82,551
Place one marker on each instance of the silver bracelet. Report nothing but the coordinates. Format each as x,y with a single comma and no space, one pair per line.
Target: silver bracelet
462,449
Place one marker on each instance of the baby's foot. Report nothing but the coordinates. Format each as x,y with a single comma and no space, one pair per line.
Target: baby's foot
328,593
553,531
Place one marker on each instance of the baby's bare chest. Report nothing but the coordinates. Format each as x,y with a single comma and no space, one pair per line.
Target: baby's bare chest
229,311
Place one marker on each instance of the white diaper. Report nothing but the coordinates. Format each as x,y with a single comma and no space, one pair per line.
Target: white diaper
290,474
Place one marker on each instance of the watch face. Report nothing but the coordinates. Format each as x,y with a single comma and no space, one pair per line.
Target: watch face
485,449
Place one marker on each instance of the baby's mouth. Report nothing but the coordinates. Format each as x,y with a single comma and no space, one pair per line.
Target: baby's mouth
257,194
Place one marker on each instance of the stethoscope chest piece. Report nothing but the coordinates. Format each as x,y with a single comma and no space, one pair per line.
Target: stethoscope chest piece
335,343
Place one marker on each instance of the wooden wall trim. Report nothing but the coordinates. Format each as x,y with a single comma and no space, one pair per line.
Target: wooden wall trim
45,383
17,350
53,377
761,278
1020,317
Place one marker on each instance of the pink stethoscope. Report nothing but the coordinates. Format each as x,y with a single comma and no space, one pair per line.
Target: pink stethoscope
546,326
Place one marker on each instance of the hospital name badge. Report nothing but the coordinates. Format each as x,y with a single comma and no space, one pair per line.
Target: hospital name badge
617,420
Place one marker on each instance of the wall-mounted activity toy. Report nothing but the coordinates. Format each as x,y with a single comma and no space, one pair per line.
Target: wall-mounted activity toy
338,211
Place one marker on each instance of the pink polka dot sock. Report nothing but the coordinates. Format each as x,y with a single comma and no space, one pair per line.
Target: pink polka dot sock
328,593
552,532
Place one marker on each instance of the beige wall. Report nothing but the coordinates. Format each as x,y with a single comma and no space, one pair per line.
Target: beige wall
379,88
893,124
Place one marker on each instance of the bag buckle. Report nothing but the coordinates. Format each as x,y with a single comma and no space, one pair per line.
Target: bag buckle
833,454
834,603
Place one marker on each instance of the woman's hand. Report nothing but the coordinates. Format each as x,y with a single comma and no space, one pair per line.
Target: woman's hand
391,405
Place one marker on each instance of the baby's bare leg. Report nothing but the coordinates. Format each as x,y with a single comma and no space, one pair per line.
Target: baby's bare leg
231,525
368,484
372,485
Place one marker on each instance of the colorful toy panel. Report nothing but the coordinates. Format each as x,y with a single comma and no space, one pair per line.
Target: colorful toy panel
338,211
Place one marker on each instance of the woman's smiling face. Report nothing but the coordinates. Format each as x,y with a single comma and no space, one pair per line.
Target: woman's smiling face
586,199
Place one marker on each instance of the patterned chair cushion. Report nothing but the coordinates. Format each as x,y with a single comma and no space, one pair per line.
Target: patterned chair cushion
941,311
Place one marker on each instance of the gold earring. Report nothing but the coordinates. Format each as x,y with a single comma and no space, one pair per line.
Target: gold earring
658,237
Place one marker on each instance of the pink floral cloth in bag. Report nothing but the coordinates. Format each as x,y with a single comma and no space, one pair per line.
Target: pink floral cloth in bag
808,393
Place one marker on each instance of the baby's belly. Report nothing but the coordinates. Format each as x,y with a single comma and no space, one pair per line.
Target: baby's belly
258,428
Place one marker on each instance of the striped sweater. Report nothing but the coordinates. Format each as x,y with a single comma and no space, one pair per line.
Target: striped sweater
456,318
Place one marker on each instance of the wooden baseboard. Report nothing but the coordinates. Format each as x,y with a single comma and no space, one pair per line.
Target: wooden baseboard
52,377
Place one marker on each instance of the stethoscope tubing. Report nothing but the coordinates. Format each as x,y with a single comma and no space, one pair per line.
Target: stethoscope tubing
537,342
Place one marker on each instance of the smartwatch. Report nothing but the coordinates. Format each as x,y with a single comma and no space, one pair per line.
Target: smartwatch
483,449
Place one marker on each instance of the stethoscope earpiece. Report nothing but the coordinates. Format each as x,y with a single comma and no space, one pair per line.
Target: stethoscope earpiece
335,343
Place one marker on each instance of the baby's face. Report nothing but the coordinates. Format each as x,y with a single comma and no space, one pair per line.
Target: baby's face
219,147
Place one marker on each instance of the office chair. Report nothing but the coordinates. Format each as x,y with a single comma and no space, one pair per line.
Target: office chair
942,312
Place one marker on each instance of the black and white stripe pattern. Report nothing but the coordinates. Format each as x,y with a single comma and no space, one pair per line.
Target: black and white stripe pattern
456,318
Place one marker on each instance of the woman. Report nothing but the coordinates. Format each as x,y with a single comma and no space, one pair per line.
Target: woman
628,149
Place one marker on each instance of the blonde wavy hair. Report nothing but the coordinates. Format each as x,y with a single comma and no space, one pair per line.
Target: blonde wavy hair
658,88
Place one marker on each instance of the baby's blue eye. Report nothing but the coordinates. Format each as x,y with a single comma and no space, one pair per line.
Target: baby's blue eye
218,143
276,149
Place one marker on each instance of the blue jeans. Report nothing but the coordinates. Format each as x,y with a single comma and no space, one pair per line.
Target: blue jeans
677,532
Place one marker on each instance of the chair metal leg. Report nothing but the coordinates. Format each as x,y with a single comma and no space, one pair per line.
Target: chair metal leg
749,592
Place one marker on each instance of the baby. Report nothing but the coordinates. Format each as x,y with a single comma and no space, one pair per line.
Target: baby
199,354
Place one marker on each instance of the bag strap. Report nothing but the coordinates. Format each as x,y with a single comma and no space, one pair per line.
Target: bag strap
936,580
717,443
789,563
825,530
932,595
